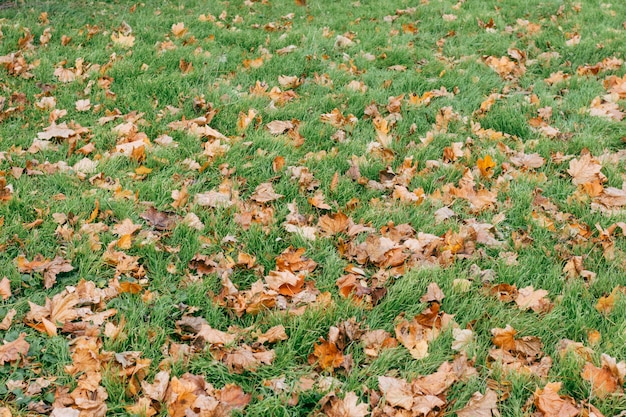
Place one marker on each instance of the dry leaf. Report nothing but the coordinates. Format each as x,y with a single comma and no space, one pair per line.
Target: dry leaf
481,405
5,288
11,352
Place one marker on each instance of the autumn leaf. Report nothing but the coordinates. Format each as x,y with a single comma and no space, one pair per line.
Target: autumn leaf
5,288
12,352
529,298
585,170
326,355
397,392
551,404
5,324
481,405
349,406
264,193
602,381
486,166
49,268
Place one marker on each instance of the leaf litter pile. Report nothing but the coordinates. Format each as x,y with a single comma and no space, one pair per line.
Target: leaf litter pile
313,208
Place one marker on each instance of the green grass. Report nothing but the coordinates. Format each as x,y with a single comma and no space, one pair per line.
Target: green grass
442,53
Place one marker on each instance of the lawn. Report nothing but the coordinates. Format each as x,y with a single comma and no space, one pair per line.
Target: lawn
294,208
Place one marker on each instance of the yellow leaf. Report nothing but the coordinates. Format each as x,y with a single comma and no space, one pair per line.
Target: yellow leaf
142,170
486,166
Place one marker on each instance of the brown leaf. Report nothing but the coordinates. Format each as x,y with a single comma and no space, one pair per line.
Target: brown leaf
585,170
376,340
602,381
505,339
49,269
273,335
55,267
347,407
481,405
5,324
278,127
486,166
551,404
433,293
397,392
5,288
264,193
529,298
606,304
333,223
156,390
326,355
160,220
11,352
318,201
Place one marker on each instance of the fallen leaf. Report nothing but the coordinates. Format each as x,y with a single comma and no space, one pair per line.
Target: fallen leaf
551,404
5,288
264,193
347,407
602,381
11,352
481,405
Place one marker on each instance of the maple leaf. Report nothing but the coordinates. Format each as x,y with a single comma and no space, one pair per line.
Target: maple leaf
529,298
585,170
49,268
481,405
347,407
603,382
551,404
326,355
397,392
527,161
264,193
318,201
160,220
178,29
505,339
278,127
433,293
375,341
331,224
486,166
273,335
56,131
125,41
462,338
11,352
244,119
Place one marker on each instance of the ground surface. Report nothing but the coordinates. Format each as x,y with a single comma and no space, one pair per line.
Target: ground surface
278,208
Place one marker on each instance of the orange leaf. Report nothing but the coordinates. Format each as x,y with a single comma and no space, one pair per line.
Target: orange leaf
486,166
603,382
5,288
327,355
